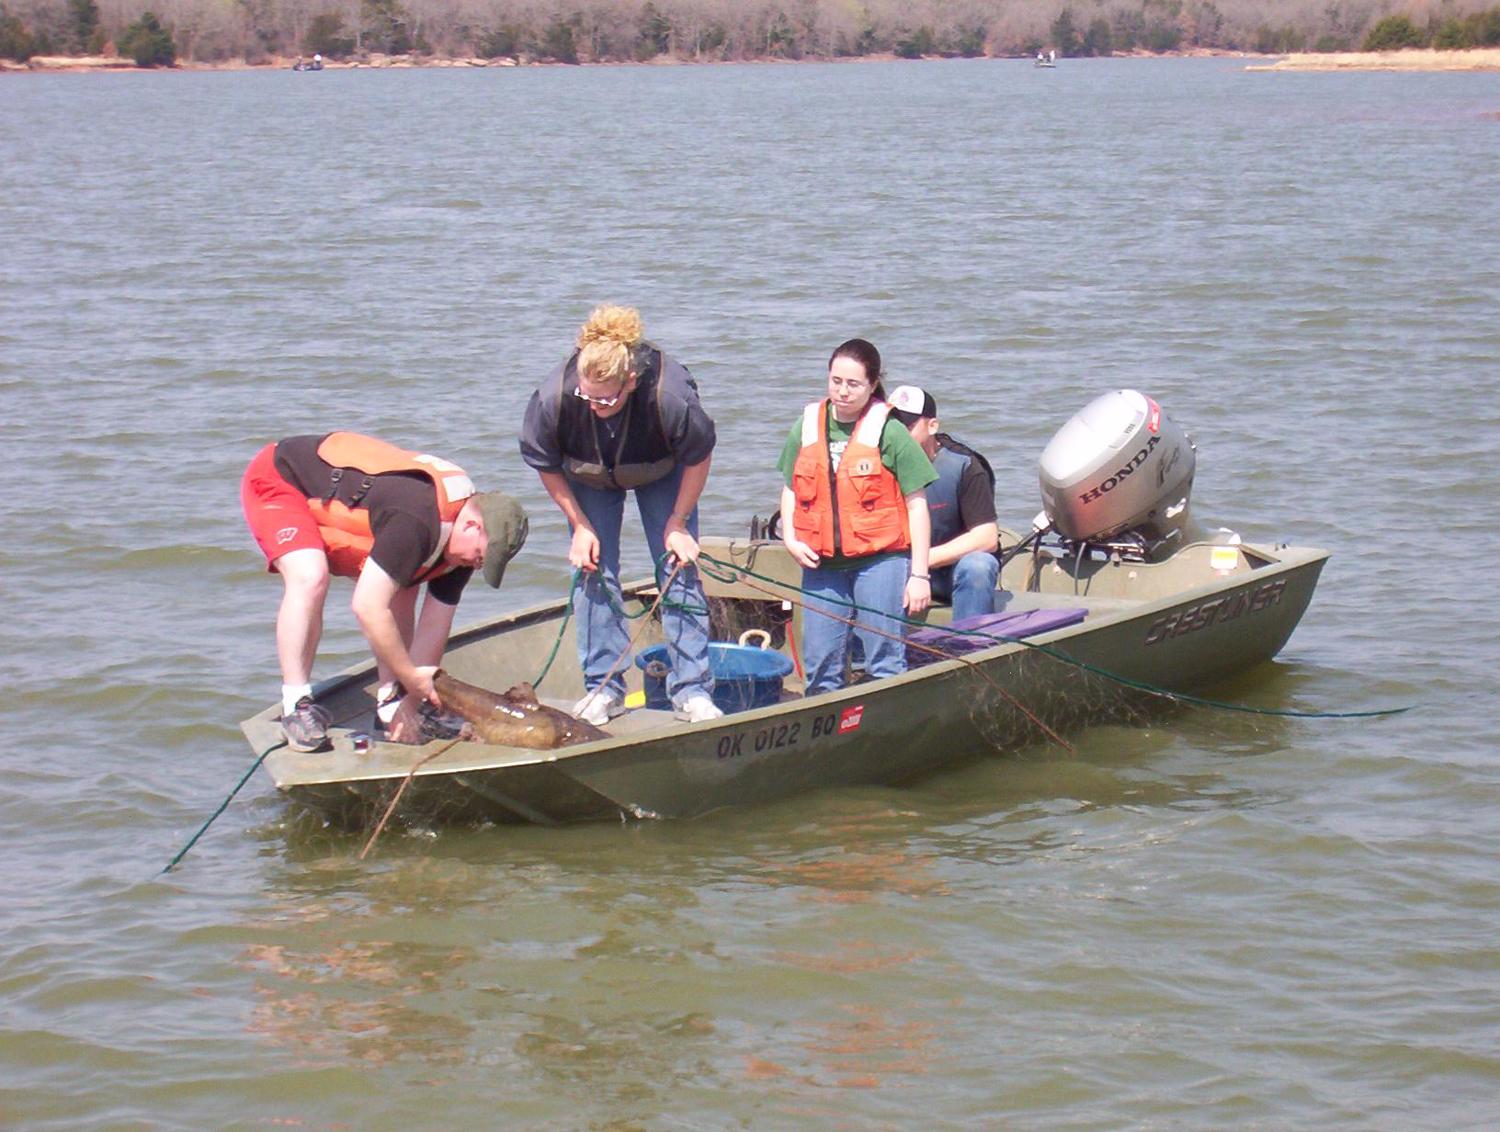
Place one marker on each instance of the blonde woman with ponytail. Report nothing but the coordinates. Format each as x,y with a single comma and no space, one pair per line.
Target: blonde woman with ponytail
618,416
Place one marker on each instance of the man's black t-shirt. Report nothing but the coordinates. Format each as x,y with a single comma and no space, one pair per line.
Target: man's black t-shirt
976,488
403,513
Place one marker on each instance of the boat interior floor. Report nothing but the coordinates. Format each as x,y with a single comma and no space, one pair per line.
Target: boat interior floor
639,721
1008,601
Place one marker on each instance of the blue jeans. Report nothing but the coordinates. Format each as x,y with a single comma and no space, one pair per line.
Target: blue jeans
602,635
968,585
880,585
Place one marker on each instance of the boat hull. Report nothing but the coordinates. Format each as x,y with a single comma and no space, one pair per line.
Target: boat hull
1000,699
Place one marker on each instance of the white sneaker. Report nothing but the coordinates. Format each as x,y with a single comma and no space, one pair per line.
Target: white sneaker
599,707
697,708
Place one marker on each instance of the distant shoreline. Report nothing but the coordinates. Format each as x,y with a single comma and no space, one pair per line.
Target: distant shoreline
1412,59
53,64
1475,59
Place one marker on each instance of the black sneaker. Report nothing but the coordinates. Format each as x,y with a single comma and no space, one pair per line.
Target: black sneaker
306,729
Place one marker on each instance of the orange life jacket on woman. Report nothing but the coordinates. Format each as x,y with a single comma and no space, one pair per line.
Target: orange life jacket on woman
345,527
857,511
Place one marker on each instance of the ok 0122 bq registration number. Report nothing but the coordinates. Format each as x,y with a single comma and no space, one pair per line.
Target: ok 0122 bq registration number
776,736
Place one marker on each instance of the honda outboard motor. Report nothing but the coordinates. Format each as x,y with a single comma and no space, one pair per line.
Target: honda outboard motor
1118,476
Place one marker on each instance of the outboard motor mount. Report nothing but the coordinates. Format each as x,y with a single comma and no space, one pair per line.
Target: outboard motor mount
1119,475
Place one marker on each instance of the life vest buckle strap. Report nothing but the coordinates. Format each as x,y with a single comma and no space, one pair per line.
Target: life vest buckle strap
362,491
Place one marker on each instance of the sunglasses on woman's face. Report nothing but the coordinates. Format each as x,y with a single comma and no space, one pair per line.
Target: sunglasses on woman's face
602,402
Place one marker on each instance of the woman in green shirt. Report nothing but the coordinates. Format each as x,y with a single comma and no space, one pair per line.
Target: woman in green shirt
854,516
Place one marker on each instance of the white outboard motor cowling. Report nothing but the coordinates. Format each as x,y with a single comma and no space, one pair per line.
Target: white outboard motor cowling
1119,470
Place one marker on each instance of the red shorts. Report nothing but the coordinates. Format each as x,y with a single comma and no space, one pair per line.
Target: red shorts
277,512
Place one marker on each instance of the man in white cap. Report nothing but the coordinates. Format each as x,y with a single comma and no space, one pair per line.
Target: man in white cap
965,533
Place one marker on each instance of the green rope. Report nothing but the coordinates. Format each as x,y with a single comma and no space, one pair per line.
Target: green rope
561,629
542,675
665,603
224,805
730,572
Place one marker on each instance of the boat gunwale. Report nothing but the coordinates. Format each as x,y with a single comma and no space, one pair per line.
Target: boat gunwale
471,755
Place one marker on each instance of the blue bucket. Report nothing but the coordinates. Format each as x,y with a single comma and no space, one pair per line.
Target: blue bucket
744,677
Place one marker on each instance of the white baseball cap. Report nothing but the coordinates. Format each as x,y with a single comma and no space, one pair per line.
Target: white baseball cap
910,403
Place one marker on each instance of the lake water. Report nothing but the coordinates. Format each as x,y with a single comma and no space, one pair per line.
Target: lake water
1210,921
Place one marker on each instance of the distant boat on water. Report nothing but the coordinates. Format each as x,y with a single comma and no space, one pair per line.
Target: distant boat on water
1047,59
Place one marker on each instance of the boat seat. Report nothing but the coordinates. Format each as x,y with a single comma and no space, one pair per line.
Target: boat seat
970,634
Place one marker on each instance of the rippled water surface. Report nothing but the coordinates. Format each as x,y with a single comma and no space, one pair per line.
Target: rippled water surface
1209,921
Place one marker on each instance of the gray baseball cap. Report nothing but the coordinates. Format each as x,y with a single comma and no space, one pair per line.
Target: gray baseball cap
505,527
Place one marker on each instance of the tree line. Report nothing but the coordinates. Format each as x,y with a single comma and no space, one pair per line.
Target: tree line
157,32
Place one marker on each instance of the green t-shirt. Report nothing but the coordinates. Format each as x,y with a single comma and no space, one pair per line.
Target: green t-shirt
902,455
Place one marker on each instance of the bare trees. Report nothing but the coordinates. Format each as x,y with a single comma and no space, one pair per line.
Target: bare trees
694,30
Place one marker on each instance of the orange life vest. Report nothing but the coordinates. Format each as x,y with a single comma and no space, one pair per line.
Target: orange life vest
857,511
346,529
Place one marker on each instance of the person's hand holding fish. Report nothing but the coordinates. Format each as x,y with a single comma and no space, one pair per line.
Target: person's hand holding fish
406,725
